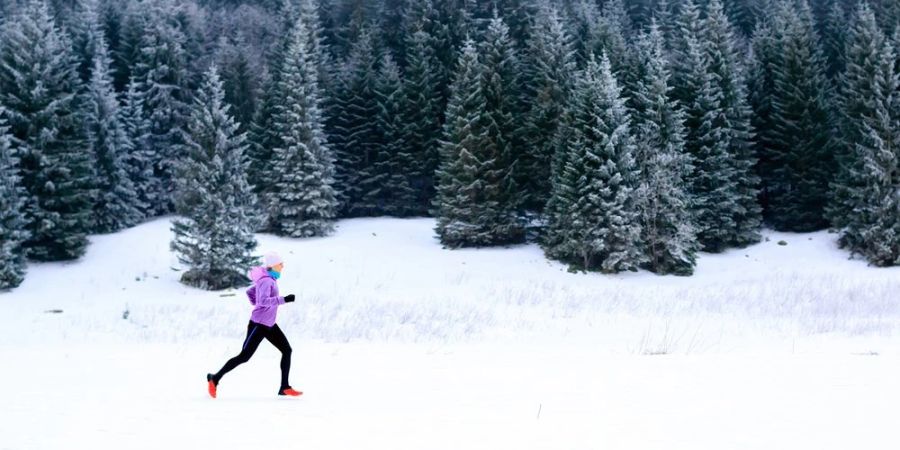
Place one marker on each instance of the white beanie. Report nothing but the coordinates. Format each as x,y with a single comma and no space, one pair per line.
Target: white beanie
272,259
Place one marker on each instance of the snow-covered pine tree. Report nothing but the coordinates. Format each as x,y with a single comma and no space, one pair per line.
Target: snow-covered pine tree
664,14
394,195
503,116
128,48
138,160
596,223
262,134
84,31
608,34
422,110
13,232
239,80
455,209
303,201
446,25
471,187
712,182
516,14
667,224
582,19
355,137
39,88
726,67
160,69
865,208
744,14
214,235
549,69
834,34
764,45
116,205
797,154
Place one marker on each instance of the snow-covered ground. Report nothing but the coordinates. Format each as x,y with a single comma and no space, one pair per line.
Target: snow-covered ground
400,344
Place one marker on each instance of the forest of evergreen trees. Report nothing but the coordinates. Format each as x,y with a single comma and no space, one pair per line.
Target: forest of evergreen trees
621,134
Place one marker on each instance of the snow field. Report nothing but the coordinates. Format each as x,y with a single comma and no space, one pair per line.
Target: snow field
399,344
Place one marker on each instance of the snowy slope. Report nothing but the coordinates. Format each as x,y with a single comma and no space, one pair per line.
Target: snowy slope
400,344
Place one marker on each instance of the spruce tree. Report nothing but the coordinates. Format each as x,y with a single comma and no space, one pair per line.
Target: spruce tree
797,149
303,202
668,231
214,235
474,186
549,68
13,232
239,81
595,222
394,195
39,88
503,116
116,205
664,15
138,160
160,69
834,33
713,183
725,64
262,136
355,137
865,208
422,110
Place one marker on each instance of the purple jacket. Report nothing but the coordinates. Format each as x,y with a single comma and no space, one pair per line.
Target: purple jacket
264,295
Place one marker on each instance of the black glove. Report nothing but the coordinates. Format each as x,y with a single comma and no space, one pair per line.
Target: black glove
289,298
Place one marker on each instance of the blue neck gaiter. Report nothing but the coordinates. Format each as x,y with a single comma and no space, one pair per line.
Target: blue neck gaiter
274,274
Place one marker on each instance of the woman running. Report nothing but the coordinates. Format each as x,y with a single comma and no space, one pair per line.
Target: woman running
264,296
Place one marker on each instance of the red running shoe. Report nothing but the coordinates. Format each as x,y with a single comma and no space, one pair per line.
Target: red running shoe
211,385
290,392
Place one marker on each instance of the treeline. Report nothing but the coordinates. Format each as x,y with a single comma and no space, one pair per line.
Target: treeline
625,134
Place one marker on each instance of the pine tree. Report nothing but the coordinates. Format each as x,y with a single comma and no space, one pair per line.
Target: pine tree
214,235
712,183
503,116
304,203
262,135
474,187
116,205
85,32
455,209
608,34
549,68
394,195
354,135
239,81
13,232
744,14
595,219
664,15
796,145
834,33
138,160
422,110
668,231
725,64
517,14
160,69
38,88
764,46
865,208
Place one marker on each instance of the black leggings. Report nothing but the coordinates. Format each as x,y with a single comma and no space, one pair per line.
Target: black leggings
255,334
